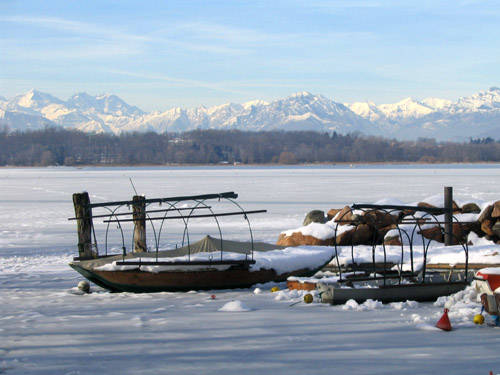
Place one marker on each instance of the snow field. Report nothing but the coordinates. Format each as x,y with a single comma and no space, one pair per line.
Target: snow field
47,327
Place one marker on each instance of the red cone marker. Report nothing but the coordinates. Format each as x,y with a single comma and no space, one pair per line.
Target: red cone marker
444,322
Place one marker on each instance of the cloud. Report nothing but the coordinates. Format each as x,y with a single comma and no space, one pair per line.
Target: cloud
76,27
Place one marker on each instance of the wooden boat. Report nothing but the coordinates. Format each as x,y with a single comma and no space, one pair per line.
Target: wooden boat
143,273
211,263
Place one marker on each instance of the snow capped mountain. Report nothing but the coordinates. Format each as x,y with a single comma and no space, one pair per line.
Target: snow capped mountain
406,108
105,104
437,103
34,100
367,110
481,102
477,115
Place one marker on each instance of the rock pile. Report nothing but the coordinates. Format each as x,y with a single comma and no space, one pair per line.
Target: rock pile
380,227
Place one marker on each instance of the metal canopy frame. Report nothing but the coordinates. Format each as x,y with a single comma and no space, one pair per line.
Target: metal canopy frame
429,217
198,201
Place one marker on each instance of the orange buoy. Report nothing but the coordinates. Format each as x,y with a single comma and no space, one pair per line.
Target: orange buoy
444,322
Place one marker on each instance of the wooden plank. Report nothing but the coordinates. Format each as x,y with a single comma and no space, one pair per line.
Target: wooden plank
186,263
460,266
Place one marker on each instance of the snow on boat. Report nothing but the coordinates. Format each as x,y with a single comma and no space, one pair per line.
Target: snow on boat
211,263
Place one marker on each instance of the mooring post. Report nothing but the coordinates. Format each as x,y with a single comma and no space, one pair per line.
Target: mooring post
448,215
83,214
139,216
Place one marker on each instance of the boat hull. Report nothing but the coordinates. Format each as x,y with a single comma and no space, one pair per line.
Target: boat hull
391,293
180,281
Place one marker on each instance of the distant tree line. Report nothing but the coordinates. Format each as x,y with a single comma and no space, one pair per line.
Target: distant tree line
57,146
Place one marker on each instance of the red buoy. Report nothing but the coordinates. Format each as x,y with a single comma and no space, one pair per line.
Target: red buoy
444,322
212,296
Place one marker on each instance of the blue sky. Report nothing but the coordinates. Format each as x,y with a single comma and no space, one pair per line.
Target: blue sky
186,53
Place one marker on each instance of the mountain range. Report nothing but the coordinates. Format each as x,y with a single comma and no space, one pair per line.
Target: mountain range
475,116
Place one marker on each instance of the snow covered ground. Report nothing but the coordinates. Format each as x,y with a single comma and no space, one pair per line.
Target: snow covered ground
47,328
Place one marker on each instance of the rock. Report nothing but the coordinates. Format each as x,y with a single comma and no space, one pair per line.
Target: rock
405,213
344,238
486,214
362,235
460,232
496,229
344,215
314,216
496,210
84,286
392,241
332,213
298,239
433,233
383,231
425,205
486,227
454,205
471,208
379,219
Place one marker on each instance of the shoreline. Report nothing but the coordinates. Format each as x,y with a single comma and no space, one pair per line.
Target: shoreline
241,165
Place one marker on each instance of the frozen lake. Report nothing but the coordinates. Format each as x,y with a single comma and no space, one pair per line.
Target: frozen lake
47,330
35,203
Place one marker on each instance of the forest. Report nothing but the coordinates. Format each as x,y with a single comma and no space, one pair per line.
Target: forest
58,146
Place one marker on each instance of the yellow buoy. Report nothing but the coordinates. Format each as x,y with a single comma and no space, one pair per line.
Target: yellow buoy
274,289
478,319
308,298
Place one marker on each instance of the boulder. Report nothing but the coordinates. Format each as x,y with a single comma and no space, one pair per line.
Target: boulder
314,216
460,232
298,239
454,205
392,241
383,231
332,212
425,205
496,210
433,233
486,214
379,219
471,208
344,238
345,216
362,235
496,229
486,227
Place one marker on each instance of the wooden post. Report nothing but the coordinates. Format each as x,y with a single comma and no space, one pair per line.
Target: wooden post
139,216
83,213
448,215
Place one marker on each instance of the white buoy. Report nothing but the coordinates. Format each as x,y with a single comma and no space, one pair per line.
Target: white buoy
84,286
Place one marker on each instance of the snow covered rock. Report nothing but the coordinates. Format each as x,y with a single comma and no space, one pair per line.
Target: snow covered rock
298,239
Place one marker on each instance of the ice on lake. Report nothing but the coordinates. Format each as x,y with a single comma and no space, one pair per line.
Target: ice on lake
47,329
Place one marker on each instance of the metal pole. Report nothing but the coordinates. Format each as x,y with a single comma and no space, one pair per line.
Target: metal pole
448,215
